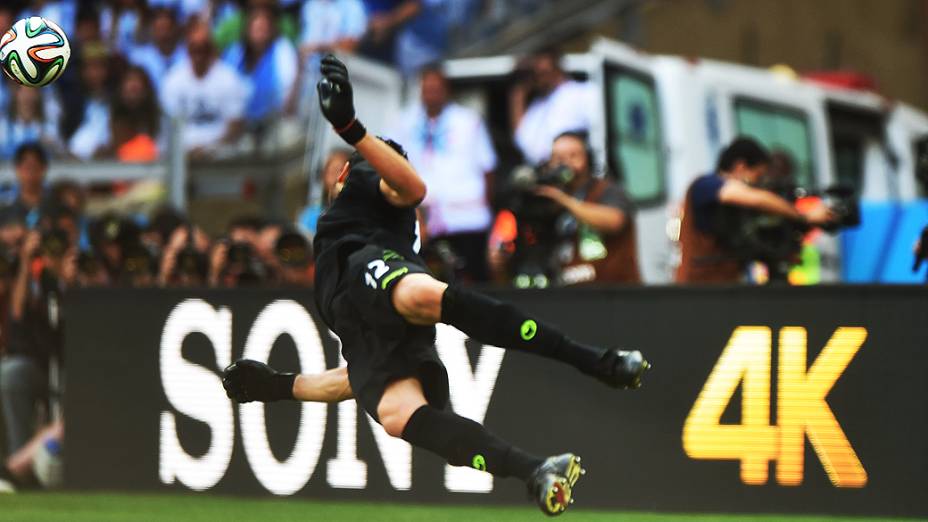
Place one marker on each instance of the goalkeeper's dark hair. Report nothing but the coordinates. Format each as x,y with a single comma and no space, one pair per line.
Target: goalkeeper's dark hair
742,149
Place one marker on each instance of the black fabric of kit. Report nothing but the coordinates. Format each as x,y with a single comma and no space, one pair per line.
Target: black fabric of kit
364,247
378,344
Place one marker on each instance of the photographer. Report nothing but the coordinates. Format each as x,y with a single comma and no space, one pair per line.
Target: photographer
47,265
708,232
184,262
572,228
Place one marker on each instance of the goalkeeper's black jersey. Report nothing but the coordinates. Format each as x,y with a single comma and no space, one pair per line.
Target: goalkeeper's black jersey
359,216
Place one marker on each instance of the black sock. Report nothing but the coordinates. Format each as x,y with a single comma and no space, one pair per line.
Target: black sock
494,322
463,442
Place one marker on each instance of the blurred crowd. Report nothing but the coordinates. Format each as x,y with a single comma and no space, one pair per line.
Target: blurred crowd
49,244
47,238
226,67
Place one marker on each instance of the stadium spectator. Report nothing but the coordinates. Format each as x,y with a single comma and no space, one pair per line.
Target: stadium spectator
62,12
121,23
87,29
69,87
185,9
229,20
594,234
94,112
330,25
268,60
326,180
207,95
163,50
411,33
449,146
385,18
424,39
326,26
135,120
546,104
137,96
31,165
32,116
127,143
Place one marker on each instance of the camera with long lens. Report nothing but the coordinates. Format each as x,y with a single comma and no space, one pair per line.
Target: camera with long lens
54,242
776,241
242,265
191,264
534,263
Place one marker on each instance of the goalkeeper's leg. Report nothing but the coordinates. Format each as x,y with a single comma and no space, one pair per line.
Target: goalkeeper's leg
423,300
404,412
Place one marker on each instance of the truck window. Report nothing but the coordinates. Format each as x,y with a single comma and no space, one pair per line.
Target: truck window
856,133
779,128
634,135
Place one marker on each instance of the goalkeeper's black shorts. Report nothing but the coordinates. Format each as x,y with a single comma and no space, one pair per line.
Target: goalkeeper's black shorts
378,344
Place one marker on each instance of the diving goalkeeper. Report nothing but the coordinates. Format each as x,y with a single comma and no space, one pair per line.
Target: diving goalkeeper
374,292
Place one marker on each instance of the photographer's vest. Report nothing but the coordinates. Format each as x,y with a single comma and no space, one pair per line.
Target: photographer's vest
599,258
703,258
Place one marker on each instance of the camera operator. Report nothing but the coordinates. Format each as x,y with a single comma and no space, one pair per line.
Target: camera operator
183,261
706,232
235,263
47,265
573,227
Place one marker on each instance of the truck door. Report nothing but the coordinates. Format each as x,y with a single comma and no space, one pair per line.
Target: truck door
634,152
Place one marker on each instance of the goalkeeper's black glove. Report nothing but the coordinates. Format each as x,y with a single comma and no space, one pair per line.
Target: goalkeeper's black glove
335,100
246,380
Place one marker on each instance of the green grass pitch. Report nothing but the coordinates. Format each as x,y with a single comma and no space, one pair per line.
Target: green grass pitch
110,507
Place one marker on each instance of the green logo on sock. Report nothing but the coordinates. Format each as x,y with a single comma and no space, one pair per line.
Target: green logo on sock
479,462
528,330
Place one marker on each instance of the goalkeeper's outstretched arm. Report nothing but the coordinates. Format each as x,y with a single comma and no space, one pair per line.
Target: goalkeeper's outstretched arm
246,380
400,183
329,386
